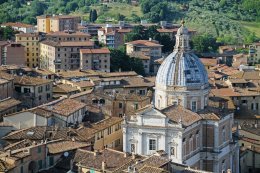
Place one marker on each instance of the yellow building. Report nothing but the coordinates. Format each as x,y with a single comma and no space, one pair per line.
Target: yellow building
47,23
32,50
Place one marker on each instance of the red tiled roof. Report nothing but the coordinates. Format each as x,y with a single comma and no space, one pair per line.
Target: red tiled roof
145,43
95,51
209,61
17,24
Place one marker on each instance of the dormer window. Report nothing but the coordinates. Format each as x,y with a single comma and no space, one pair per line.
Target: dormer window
194,106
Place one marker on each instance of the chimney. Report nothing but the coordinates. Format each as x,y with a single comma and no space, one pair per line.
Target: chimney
95,153
8,153
104,165
133,156
125,155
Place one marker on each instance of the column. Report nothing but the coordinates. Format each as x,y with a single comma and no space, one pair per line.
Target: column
139,143
125,142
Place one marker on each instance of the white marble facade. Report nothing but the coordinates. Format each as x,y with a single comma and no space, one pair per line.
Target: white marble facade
175,124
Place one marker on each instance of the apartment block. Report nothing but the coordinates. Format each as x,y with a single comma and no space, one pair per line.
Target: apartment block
146,50
112,36
12,53
95,59
6,85
67,35
23,27
32,91
31,43
57,56
48,23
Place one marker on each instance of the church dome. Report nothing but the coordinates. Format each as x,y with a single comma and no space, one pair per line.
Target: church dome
182,67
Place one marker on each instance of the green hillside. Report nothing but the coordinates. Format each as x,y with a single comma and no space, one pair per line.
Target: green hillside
228,20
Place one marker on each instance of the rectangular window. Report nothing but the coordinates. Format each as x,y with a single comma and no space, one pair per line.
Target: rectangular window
152,144
21,169
256,106
47,87
109,130
142,92
244,101
173,151
27,90
135,106
39,150
40,89
132,148
117,142
39,164
51,161
193,105
120,105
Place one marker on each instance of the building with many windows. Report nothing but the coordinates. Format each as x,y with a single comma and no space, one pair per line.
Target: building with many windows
32,51
146,50
95,59
57,56
47,23
190,127
67,35
32,91
12,53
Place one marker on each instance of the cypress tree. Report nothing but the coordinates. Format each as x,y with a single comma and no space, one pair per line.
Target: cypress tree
94,15
90,15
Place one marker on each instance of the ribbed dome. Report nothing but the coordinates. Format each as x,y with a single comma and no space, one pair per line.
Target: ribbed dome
182,67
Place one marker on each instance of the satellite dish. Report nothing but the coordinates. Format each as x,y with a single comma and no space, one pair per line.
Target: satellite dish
66,154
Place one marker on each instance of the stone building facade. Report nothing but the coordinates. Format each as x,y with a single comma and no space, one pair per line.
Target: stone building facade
183,121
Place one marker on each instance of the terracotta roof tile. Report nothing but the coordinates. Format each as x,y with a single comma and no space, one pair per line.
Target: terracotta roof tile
8,103
26,80
177,113
68,44
95,51
64,88
66,33
17,24
144,43
64,107
61,146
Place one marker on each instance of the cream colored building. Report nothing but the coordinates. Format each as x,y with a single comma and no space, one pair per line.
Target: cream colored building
32,91
57,56
47,23
95,59
146,47
32,50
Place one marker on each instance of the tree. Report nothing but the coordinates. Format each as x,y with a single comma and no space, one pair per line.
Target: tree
167,43
204,43
120,17
72,6
6,33
121,61
90,15
94,15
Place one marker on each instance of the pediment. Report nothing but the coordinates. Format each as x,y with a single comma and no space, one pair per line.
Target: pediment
152,112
